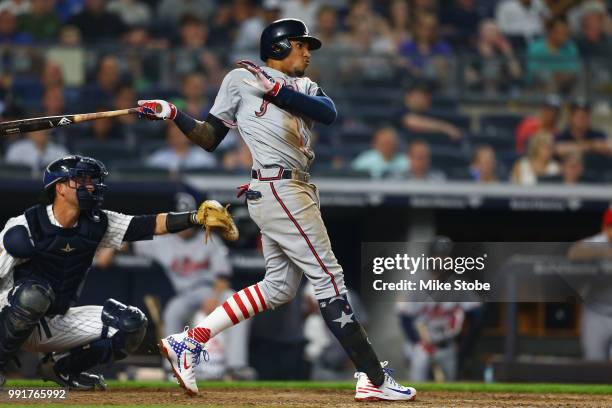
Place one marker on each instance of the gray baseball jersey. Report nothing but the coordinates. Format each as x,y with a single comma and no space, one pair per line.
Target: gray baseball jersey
275,137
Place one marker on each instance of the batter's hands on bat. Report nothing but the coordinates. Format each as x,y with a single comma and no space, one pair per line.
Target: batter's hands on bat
264,82
213,216
156,109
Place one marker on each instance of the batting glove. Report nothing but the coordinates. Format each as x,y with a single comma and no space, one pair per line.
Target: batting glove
264,82
156,109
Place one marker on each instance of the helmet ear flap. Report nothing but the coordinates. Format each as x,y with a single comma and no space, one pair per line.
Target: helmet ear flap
280,49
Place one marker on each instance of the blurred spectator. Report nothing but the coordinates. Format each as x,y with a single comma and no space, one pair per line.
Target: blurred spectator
369,54
180,153
53,101
97,24
426,55
521,17
104,130
223,27
579,135
132,12
9,34
246,43
52,74
327,27
108,78
171,11
419,157
305,10
362,12
130,126
400,21
70,36
496,66
67,8
553,60
35,150
580,9
539,161
460,21
384,157
572,168
594,41
193,55
193,95
416,115
547,120
483,167
238,159
41,22
17,7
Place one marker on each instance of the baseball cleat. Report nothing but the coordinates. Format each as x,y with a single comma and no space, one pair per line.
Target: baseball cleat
390,390
78,382
184,354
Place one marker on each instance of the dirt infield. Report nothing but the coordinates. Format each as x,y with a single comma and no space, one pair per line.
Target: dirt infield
257,397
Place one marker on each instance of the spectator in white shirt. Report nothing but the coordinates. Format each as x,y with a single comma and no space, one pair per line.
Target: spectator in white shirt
522,17
35,150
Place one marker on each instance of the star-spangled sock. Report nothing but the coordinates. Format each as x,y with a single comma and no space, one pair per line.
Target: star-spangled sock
240,306
340,319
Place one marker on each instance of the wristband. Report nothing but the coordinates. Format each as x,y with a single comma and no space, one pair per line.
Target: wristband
184,122
177,222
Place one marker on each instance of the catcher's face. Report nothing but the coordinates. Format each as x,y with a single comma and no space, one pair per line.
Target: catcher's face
297,61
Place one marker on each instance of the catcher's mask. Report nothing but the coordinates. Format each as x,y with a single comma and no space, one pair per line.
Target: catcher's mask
274,42
85,174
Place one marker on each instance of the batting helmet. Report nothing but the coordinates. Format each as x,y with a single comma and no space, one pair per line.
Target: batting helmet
275,38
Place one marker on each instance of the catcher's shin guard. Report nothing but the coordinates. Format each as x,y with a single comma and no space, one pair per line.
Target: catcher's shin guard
28,303
131,325
341,320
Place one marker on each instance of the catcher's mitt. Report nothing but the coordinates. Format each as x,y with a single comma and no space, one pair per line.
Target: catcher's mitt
212,215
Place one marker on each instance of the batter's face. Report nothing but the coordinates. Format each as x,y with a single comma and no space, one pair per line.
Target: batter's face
297,61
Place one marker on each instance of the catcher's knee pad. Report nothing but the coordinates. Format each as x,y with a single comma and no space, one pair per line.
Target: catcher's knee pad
28,303
277,292
131,325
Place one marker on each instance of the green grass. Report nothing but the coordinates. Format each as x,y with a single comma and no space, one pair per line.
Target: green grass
457,387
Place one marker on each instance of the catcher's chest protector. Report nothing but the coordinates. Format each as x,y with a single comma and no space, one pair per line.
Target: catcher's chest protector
62,255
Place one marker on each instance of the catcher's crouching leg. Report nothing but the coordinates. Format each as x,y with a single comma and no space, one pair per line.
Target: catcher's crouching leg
131,325
28,303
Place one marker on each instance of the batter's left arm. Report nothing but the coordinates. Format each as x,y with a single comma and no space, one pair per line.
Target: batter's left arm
319,107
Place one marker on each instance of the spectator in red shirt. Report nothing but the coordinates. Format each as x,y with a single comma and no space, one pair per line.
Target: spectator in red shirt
546,120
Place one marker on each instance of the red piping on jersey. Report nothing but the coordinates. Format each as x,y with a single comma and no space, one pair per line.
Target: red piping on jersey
312,249
277,177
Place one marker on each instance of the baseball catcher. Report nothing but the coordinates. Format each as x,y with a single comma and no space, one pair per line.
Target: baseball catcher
45,254
275,108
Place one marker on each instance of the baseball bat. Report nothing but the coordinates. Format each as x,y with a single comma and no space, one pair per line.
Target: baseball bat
49,122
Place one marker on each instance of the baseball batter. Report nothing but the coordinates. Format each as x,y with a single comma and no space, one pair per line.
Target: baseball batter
274,108
45,254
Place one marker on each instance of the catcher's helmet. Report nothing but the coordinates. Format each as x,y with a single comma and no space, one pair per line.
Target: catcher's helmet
77,167
275,38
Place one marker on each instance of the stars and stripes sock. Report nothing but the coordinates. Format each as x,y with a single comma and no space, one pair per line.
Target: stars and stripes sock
240,306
